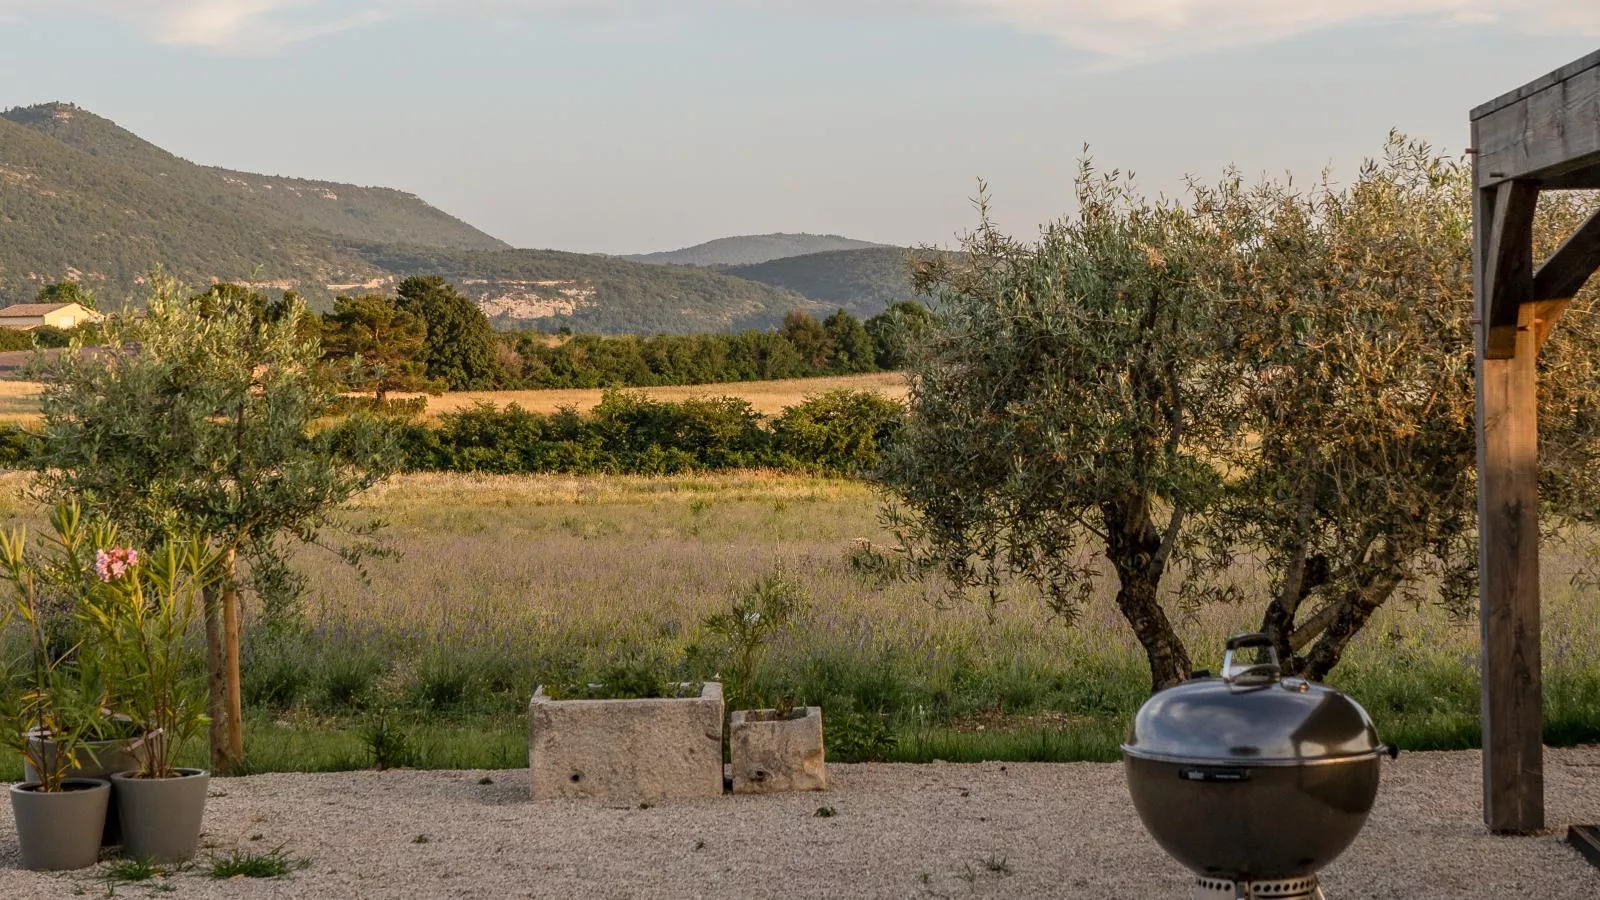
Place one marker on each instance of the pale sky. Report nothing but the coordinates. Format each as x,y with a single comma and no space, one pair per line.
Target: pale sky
636,125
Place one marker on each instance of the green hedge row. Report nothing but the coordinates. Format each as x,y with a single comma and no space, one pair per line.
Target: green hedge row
837,433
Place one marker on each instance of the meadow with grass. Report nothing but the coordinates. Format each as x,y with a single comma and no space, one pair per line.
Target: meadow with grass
501,583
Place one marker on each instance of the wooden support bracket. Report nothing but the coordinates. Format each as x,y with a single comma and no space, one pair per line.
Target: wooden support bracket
1506,265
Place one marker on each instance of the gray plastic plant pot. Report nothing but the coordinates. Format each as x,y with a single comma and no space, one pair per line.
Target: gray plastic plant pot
97,759
60,830
161,816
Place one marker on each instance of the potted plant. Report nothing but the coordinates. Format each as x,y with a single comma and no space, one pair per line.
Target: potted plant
60,818
69,577
146,614
106,747
770,749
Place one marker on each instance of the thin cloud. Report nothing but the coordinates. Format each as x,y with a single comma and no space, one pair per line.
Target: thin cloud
1133,30
1114,31
246,27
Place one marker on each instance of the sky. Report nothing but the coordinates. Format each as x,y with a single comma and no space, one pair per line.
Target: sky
636,125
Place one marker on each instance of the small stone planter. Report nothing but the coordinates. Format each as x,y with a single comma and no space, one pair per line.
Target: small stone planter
772,754
626,751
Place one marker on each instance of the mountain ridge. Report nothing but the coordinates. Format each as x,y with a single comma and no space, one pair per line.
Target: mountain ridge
751,249
376,214
85,199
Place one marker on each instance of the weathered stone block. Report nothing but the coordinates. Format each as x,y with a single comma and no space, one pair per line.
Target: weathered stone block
626,751
771,754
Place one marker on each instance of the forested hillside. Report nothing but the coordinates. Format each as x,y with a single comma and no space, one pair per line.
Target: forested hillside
370,214
551,289
68,212
864,282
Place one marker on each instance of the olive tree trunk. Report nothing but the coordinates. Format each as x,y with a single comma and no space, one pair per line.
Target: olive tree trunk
225,698
1139,553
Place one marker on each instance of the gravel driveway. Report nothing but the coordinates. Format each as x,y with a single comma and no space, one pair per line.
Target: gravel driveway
989,830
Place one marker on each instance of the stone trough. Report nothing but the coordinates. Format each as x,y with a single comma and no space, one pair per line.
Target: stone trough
626,751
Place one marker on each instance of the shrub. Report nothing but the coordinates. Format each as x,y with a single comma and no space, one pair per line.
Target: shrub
388,746
273,677
654,437
841,432
17,446
346,679
445,680
49,336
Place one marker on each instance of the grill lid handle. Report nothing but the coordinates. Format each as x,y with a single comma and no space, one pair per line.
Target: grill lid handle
1253,673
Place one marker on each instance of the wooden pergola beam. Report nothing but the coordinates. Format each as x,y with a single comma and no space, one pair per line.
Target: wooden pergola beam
1549,127
1587,179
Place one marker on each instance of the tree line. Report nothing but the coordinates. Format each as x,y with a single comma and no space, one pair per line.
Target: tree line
429,337
802,347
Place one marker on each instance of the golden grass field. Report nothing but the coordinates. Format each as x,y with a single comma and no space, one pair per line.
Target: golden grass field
768,397
19,400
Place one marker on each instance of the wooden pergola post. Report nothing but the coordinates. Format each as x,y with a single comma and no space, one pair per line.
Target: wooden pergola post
1544,135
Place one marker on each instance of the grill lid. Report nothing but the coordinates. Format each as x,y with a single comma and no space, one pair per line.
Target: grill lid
1251,716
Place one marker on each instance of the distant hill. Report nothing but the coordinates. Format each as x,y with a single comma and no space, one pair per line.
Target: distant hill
70,212
864,282
750,249
372,214
83,198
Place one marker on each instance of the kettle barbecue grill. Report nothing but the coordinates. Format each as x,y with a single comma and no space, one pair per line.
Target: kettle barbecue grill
1253,780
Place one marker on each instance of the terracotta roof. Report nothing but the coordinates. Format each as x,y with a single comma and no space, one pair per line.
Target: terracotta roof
33,309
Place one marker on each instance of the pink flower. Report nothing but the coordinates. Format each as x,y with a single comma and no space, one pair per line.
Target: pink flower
115,563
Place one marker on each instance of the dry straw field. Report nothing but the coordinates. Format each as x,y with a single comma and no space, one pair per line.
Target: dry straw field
768,397
19,400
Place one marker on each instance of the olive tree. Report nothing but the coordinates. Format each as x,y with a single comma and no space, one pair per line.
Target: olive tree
1314,365
1071,399
1358,355
202,417
1356,351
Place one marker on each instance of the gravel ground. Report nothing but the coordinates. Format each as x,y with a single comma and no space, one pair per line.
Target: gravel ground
989,830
